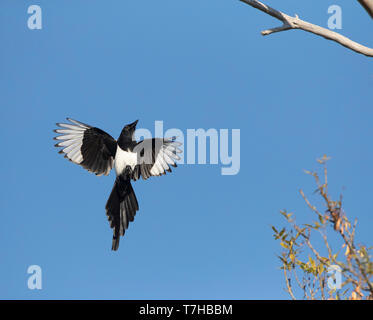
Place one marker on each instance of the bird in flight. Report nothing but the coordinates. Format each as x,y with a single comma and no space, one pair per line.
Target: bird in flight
98,152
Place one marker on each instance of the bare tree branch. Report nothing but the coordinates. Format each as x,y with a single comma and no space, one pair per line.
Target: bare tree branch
368,6
288,286
296,23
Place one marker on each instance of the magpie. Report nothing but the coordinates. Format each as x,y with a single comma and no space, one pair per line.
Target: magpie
98,152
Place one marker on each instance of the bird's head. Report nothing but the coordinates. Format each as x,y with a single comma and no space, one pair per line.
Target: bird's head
129,129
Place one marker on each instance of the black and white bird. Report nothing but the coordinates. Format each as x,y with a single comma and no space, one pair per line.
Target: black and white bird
98,152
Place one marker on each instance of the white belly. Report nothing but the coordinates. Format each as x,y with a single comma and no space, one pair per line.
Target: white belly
124,159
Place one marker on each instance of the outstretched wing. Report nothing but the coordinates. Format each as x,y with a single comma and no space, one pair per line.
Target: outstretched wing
87,146
155,157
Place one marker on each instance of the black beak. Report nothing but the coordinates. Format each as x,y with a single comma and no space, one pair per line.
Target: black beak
133,124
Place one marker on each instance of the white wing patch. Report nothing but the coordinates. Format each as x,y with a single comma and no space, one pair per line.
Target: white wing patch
71,139
166,157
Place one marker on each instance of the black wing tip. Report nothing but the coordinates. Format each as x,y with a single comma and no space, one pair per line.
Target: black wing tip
60,124
78,123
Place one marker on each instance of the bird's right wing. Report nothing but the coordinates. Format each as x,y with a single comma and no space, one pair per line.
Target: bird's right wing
90,147
155,157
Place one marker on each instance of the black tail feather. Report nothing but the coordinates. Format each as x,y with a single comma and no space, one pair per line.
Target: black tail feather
121,208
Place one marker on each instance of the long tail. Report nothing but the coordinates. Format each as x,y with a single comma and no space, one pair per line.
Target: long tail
121,208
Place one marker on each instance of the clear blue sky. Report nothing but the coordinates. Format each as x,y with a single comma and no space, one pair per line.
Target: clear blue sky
192,64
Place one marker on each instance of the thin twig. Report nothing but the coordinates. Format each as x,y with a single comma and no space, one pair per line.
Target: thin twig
288,284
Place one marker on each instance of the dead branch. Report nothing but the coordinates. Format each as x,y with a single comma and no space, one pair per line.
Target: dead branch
368,6
290,23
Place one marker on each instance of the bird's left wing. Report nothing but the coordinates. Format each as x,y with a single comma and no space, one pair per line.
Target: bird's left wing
155,157
90,147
